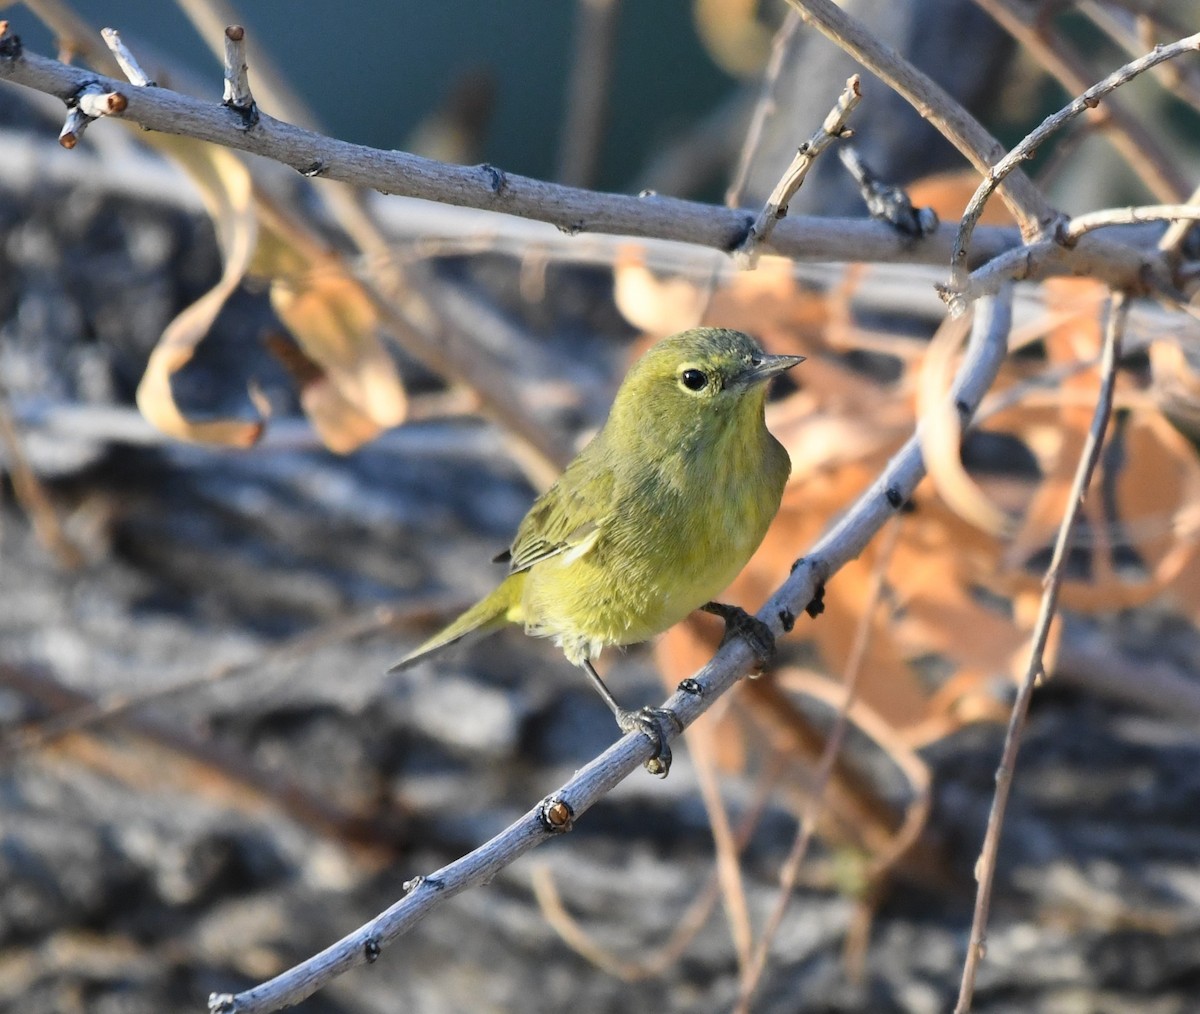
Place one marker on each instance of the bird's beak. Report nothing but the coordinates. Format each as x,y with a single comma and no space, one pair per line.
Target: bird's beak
769,367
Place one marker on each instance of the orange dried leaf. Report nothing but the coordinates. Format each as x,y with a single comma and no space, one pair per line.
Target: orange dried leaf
225,186
335,324
658,305
949,193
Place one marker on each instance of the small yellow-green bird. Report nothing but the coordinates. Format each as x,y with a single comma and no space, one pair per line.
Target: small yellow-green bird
656,515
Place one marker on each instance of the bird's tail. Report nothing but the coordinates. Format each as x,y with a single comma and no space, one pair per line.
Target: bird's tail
491,612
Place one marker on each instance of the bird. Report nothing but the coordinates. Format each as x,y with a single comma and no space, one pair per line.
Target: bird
654,517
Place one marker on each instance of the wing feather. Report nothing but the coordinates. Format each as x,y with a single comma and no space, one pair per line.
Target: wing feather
570,515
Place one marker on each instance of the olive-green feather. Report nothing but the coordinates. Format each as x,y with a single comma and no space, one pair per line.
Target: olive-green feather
657,514
493,611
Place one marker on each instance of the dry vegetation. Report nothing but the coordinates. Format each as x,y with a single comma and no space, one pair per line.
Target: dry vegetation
958,603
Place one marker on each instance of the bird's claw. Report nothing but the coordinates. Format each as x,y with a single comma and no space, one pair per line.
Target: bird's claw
649,722
752,630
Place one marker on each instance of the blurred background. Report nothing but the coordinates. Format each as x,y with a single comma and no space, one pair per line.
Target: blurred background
222,518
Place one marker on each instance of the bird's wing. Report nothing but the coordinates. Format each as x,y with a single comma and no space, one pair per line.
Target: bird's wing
568,517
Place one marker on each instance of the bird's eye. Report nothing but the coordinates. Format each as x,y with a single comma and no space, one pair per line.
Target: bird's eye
693,380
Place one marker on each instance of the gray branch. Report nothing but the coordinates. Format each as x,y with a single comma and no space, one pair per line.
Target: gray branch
486,187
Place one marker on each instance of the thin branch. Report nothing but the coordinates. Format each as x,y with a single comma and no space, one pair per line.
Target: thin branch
1028,205
30,493
764,107
556,814
1122,28
1137,145
1107,262
486,187
237,80
1029,145
789,875
834,128
588,90
685,928
1172,240
125,59
985,868
1082,224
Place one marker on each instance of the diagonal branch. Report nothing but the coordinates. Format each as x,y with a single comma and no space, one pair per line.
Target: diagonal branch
556,814
1136,142
986,867
1028,205
1029,145
832,129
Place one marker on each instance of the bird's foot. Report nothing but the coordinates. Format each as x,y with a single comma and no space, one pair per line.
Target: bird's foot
650,723
752,630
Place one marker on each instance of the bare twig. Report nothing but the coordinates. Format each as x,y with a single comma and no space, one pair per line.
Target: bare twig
556,814
764,107
1177,231
237,81
985,868
1122,27
588,89
834,127
1107,262
789,875
125,59
686,927
1029,145
962,130
1082,224
1138,145
209,18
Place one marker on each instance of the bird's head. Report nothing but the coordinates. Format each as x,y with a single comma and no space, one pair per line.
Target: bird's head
698,379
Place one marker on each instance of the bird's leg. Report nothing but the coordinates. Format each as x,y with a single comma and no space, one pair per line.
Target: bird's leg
752,630
648,721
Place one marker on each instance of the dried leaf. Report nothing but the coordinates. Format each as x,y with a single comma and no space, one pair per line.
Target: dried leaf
337,327
225,186
657,305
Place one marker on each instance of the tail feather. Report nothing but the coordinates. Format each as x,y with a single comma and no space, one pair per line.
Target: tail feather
486,615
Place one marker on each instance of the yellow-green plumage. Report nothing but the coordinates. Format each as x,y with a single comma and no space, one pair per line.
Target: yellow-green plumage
657,514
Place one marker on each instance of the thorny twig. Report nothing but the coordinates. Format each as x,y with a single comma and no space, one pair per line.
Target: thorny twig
985,868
